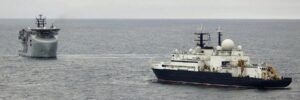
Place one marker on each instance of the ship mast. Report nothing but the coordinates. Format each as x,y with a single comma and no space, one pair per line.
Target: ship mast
40,22
219,31
202,41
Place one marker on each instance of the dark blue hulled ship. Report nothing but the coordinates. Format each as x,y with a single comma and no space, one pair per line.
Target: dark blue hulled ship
222,65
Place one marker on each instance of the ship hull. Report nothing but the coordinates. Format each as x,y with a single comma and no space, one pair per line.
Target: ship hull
41,48
218,79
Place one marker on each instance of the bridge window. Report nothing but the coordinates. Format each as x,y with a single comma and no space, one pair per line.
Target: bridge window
225,63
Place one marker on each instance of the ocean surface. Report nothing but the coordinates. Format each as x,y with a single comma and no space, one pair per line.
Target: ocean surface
110,59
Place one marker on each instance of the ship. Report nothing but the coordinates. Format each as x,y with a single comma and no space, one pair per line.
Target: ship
39,42
221,65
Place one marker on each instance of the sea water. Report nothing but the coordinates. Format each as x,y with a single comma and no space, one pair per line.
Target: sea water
108,59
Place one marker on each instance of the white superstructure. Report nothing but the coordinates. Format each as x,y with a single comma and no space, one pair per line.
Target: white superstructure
224,58
40,41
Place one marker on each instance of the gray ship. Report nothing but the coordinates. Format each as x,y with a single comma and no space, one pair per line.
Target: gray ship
40,42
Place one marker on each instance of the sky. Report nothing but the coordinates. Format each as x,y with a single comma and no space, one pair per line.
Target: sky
152,9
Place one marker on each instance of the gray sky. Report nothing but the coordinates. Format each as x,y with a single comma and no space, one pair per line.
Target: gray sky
245,9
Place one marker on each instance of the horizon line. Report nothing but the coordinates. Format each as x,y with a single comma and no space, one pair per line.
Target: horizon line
168,18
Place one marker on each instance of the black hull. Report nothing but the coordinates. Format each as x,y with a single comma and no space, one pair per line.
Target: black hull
221,79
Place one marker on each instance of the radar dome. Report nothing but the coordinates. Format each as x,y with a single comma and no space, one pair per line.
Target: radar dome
175,51
239,47
190,50
219,48
227,44
197,49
